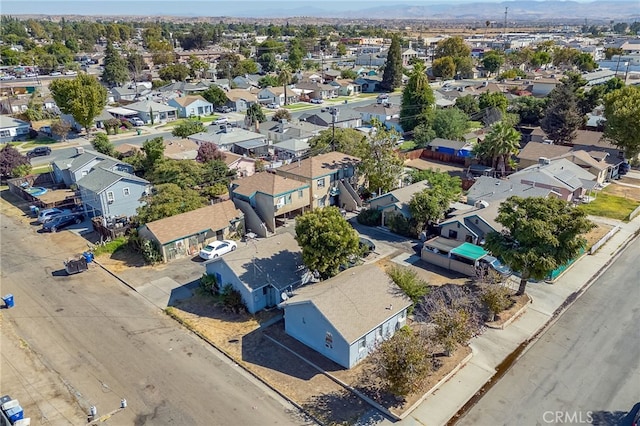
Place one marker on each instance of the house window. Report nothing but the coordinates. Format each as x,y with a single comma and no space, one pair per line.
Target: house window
126,192
362,345
300,193
5,133
320,183
110,196
328,340
453,234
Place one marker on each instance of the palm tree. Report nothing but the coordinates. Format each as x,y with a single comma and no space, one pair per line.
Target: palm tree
501,143
284,78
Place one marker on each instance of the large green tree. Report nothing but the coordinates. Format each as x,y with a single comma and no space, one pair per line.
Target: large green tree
184,173
169,200
529,109
115,67
562,117
10,160
216,95
176,72
492,61
284,78
254,115
103,145
468,103
346,140
502,142
392,75
430,204
82,97
539,236
153,152
458,51
327,240
444,67
418,101
622,111
380,164
450,123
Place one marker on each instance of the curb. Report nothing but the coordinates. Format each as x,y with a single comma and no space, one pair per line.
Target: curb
514,317
437,385
524,346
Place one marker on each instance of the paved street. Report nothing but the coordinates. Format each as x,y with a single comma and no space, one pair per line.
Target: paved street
586,366
105,342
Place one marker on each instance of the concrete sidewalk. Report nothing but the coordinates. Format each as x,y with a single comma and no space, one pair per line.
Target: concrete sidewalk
494,346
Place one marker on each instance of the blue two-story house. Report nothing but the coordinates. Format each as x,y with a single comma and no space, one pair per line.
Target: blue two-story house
111,193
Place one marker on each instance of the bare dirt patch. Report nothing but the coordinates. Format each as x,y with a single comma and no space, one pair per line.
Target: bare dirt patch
433,275
625,191
253,346
630,180
597,233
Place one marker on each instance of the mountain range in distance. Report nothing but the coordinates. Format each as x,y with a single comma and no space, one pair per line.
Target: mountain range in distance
454,10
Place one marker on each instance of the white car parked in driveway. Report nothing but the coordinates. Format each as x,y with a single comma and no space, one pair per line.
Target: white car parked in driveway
217,248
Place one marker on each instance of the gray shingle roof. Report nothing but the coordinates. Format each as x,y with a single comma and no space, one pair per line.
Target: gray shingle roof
100,179
355,302
492,189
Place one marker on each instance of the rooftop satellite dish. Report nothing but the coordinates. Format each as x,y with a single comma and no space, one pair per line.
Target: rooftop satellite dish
284,295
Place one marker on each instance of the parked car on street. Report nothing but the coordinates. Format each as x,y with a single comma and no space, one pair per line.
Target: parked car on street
316,101
221,120
40,151
48,214
223,109
55,74
217,248
490,263
272,106
60,222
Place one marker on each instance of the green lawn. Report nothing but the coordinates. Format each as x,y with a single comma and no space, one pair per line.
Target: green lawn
40,140
45,168
299,106
610,206
408,145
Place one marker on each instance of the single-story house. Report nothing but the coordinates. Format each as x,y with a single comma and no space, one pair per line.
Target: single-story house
191,106
346,118
275,95
472,226
150,111
490,190
346,87
108,192
272,197
236,140
450,147
383,112
180,149
241,99
123,94
186,233
12,128
397,201
291,149
285,129
369,84
262,271
565,178
243,165
344,317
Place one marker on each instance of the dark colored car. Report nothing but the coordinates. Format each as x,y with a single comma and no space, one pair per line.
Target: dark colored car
39,152
62,221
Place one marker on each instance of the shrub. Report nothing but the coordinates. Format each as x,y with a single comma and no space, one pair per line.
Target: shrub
209,283
126,124
150,252
232,300
496,298
400,225
370,217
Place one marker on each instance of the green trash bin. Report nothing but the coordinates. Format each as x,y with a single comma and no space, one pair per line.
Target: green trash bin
139,131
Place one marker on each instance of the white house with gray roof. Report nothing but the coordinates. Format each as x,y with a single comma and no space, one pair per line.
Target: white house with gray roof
397,201
291,149
344,317
111,193
160,112
489,189
12,128
69,171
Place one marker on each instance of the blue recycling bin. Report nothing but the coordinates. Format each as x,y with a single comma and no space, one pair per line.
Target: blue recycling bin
8,301
88,256
14,414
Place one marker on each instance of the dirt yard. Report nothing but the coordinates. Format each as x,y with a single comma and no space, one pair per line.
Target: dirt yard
625,191
504,316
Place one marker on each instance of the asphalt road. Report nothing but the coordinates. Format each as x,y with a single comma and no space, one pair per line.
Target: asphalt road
107,343
585,369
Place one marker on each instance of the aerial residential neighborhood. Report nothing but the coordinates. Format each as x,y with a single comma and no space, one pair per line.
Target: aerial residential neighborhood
346,214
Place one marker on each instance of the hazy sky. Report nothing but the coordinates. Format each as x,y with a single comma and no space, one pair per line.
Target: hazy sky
198,8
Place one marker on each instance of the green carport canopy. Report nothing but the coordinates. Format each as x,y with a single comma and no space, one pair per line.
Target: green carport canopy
469,251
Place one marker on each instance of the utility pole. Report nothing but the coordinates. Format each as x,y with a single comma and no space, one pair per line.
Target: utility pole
334,114
506,11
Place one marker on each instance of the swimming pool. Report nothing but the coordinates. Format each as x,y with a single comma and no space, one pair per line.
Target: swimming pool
36,190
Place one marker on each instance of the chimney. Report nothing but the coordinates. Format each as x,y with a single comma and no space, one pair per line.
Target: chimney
79,150
543,161
282,124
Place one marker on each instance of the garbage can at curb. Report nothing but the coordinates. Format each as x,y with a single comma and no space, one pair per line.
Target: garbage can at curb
139,131
8,301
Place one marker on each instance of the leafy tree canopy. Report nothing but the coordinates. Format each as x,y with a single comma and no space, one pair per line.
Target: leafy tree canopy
348,141
10,160
450,123
562,117
622,111
327,240
82,97
103,145
418,100
188,128
392,75
169,200
216,95
208,151
540,235
177,72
